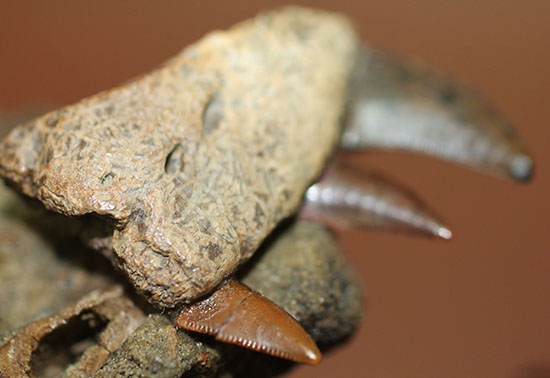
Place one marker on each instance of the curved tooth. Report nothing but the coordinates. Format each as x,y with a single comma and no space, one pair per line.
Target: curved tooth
236,314
348,197
403,104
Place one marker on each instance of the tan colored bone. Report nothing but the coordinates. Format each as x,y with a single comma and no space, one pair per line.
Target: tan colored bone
197,161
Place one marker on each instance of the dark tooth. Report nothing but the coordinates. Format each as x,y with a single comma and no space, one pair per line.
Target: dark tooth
405,105
348,197
520,167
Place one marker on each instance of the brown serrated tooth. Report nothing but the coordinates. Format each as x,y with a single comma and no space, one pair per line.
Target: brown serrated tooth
236,314
348,197
405,105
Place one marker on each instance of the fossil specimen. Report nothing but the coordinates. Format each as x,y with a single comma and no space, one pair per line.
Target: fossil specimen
197,161
62,311
191,166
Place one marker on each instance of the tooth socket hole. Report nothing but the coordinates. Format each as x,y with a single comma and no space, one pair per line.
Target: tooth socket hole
212,114
64,346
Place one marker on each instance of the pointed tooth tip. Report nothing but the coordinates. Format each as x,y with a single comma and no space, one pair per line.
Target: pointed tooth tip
444,233
313,356
520,167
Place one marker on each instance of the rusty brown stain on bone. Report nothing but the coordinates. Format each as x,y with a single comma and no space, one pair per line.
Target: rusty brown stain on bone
204,155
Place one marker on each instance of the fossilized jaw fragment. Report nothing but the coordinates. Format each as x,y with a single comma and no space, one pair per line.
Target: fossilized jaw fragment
199,160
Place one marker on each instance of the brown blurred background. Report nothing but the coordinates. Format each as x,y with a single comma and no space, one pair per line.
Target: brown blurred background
478,306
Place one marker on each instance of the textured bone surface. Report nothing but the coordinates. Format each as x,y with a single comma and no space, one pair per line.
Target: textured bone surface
196,162
158,350
404,104
44,282
122,317
302,270
37,276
